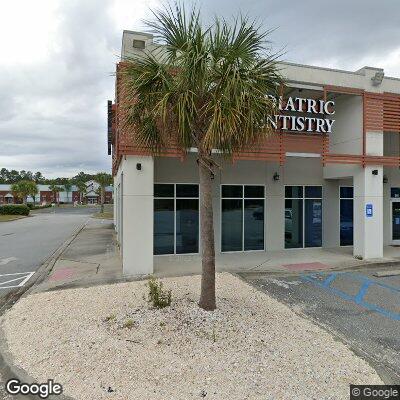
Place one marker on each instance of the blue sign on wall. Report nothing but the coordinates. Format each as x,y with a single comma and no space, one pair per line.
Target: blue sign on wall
369,210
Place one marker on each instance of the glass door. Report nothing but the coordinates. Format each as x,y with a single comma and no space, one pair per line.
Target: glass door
346,204
395,221
303,216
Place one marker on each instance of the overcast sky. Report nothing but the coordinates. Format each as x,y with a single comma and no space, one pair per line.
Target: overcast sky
57,57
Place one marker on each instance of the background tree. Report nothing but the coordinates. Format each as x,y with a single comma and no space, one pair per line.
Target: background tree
82,176
208,90
3,175
81,185
38,177
23,189
67,188
14,176
104,180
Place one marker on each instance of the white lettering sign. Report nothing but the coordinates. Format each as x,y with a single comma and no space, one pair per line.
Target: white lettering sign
294,123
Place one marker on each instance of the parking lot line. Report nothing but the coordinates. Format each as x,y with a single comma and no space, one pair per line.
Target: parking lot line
325,280
23,276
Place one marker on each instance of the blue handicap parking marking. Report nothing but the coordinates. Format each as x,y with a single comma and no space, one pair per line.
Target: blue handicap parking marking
324,280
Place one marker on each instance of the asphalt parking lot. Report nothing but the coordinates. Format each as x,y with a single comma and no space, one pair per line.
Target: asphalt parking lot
26,243
359,308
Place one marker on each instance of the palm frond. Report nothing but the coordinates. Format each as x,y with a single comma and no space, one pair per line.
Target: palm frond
212,89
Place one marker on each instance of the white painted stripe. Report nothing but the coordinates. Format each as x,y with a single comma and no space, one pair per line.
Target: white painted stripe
25,278
305,155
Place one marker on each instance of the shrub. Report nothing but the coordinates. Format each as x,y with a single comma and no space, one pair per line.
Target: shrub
158,296
14,209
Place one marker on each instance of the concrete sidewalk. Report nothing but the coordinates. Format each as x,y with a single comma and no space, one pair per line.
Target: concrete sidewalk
92,257
273,261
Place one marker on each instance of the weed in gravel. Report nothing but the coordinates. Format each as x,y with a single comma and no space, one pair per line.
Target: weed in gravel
110,318
128,324
158,296
214,335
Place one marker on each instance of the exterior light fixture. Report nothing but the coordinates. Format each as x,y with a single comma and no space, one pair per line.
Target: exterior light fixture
139,166
385,179
377,78
276,176
374,172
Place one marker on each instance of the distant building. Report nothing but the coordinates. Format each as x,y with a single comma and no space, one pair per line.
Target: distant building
46,196
92,195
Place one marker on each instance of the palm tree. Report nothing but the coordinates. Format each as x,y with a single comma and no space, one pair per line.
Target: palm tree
209,88
25,188
81,189
103,179
33,191
67,188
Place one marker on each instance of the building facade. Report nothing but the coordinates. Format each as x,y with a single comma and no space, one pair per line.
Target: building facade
328,177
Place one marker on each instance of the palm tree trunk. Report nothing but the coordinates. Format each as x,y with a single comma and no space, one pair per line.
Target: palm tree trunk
207,296
102,200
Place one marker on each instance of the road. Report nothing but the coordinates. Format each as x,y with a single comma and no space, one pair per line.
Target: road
26,243
357,307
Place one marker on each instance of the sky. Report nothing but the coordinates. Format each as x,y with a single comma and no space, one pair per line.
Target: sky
58,58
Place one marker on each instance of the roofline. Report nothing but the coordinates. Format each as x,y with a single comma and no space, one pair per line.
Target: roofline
149,35
358,72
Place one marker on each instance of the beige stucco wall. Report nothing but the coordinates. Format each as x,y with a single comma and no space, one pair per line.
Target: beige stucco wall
135,227
347,133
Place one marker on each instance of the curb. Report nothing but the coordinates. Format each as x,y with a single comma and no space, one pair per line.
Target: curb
7,366
283,272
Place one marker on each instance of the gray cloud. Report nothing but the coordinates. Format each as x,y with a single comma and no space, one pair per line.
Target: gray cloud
342,32
53,114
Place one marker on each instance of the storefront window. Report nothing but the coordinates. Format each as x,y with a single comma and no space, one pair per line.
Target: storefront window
346,216
242,217
163,226
303,216
293,223
232,225
395,192
176,219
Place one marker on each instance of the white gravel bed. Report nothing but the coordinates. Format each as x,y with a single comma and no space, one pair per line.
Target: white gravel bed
252,347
